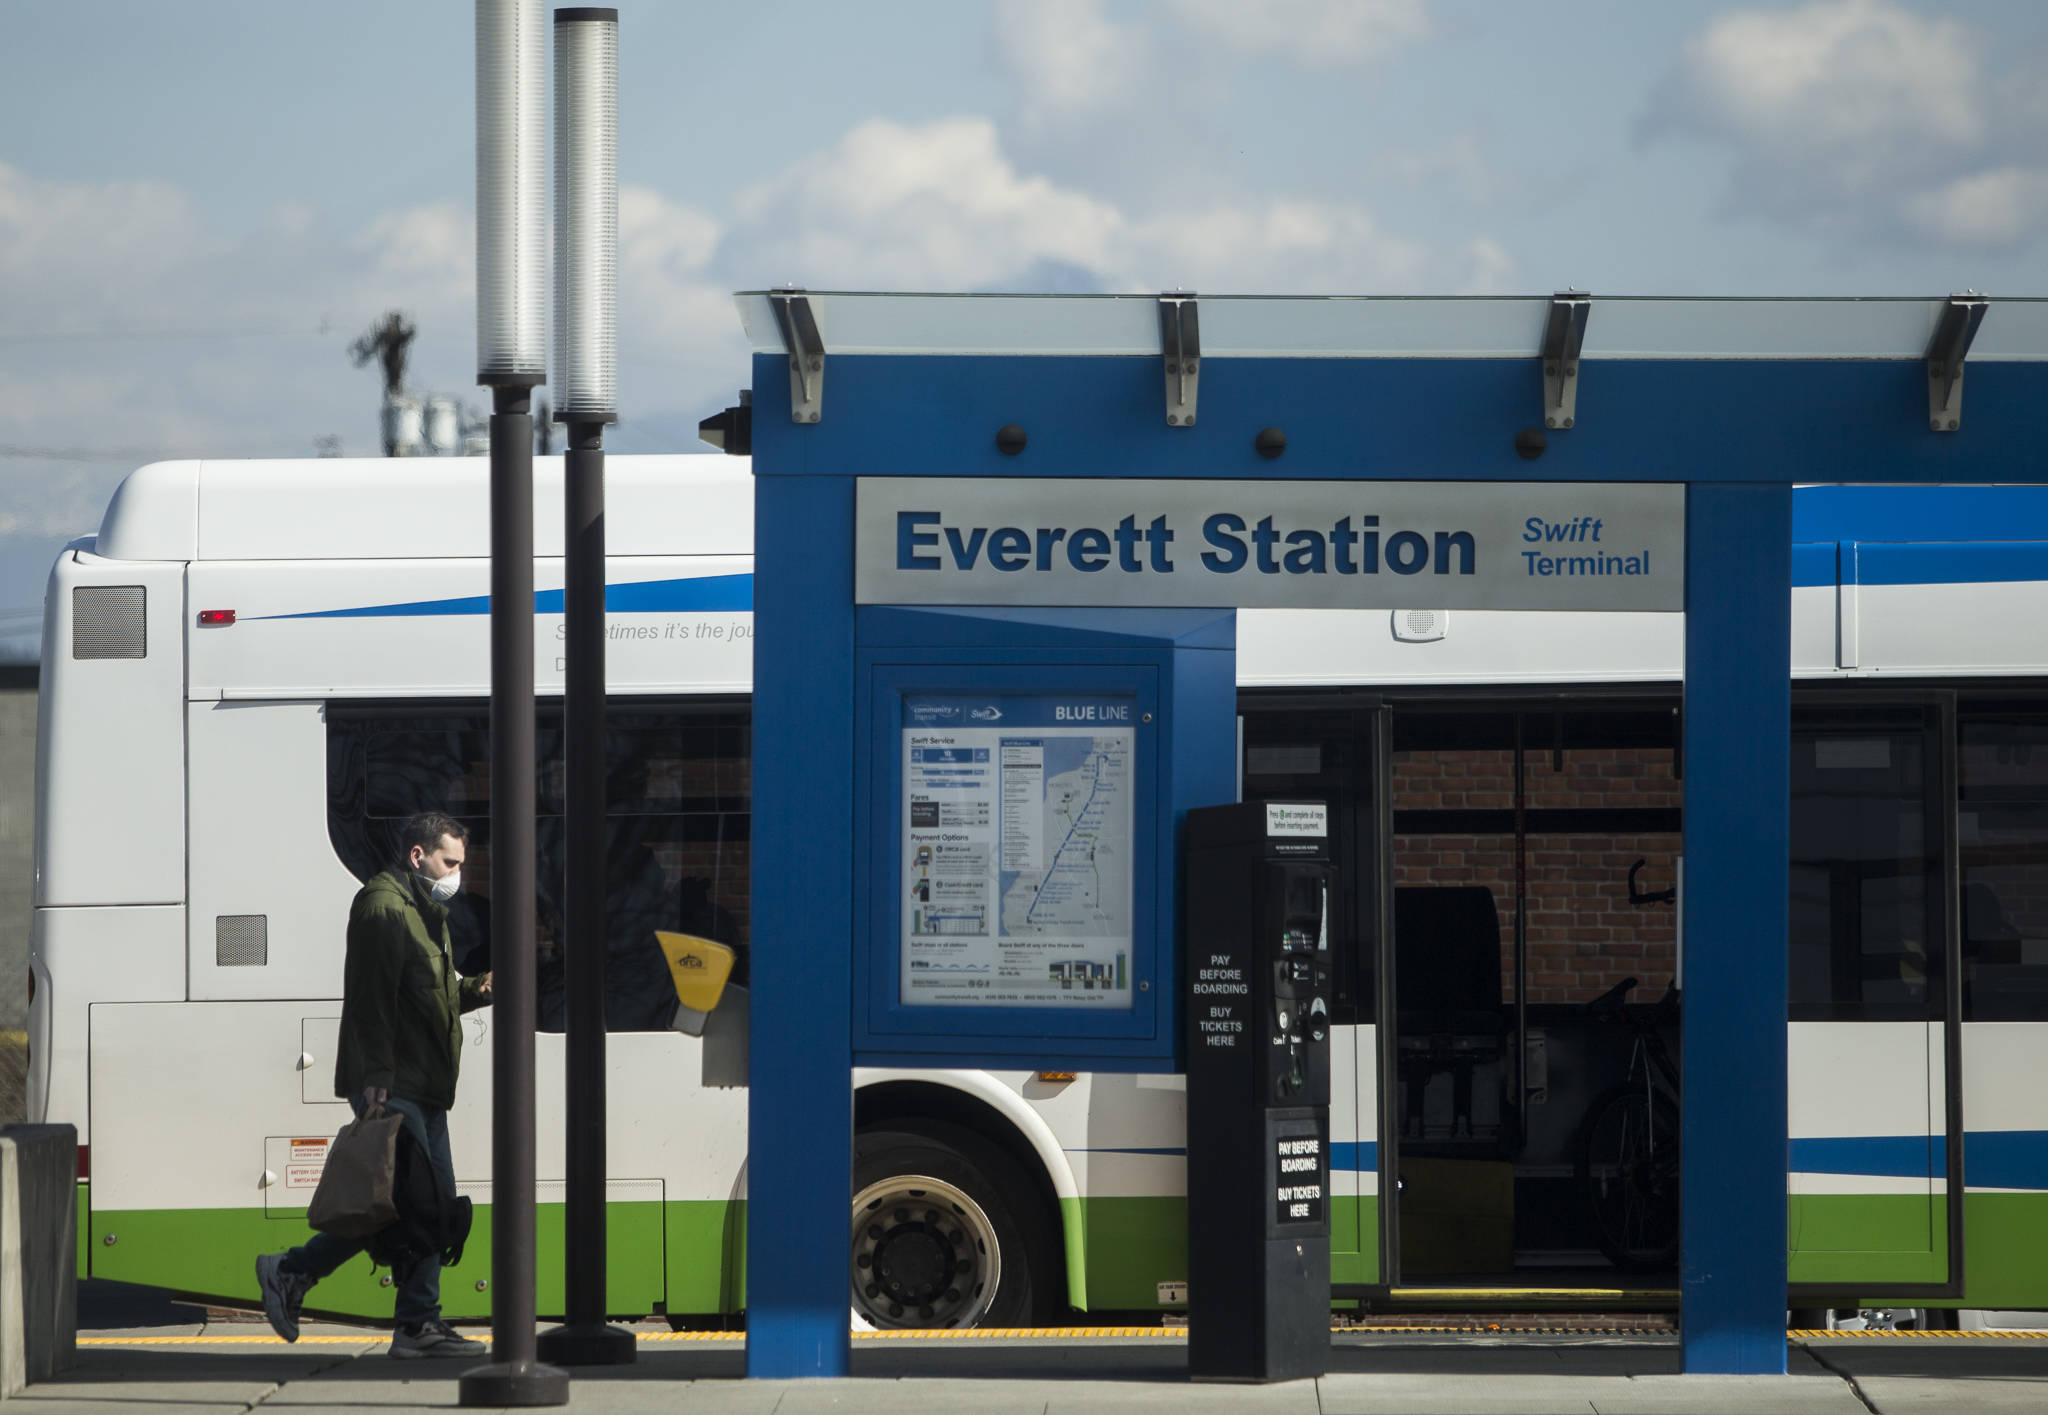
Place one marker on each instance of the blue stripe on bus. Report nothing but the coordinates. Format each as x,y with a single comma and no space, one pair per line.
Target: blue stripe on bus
1360,1155
1915,513
1946,562
1814,565
1992,1159
1892,1156
705,594
2005,1159
1918,563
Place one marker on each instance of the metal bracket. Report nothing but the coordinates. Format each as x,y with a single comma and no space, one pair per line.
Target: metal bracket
1564,330
806,351
1180,337
1946,351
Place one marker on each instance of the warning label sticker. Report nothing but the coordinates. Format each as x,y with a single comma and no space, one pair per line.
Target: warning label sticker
308,1158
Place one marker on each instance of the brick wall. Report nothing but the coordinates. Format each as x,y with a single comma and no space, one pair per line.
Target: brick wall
1584,935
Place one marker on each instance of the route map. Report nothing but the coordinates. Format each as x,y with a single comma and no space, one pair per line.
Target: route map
1081,801
1017,852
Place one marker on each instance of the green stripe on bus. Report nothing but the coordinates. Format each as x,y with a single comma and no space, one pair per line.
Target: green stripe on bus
211,1253
690,1256
1851,1238
1134,1244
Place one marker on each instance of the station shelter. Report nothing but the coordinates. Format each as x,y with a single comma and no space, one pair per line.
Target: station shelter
1064,501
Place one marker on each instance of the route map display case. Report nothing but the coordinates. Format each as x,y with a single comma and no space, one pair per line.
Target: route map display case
1021,813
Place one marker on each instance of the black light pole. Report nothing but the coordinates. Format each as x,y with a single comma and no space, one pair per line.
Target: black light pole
586,384
511,360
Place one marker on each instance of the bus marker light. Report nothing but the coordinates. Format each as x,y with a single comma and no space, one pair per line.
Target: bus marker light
216,618
1055,1075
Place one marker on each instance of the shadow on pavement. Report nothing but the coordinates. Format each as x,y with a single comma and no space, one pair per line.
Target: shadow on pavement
103,1304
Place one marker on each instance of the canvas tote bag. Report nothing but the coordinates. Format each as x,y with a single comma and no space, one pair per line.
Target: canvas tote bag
354,1198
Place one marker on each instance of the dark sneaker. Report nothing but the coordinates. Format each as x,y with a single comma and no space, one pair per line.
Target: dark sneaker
284,1293
435,1338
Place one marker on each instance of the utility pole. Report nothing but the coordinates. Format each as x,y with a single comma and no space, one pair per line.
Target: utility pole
543,430
389,342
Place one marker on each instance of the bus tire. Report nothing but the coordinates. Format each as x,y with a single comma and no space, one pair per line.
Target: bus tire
945,1232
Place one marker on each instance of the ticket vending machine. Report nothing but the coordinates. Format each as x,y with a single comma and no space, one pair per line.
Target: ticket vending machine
1256,999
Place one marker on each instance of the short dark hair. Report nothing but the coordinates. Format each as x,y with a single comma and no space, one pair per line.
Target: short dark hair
426,829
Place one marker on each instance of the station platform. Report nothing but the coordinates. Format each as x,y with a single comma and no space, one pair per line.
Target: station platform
237,1366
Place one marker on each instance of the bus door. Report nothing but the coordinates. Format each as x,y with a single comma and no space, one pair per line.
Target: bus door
1531,1101
1875,1034
1328,749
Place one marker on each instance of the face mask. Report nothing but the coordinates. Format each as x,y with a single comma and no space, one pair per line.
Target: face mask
443,889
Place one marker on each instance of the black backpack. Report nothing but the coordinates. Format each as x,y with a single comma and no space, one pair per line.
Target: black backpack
432,1217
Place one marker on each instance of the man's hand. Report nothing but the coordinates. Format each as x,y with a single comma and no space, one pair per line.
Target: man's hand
375,1096
483,987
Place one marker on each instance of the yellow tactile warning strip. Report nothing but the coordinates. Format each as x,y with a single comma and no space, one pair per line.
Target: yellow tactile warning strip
2032,1334
1084,1333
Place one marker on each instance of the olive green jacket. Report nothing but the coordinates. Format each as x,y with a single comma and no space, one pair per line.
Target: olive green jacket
402,1000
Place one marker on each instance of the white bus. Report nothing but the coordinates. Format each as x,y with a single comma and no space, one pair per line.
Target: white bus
256,670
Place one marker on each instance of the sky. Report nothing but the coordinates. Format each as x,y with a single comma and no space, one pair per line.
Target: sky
202,203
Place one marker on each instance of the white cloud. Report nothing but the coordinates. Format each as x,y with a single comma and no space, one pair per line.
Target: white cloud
1835,75
1862,115
1067,59
76,254
1999,207
1315,34
943,206
666,292
679,342
1280,247
434,245
935,206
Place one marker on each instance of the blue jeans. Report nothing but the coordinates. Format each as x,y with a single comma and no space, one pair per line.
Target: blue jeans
419,1295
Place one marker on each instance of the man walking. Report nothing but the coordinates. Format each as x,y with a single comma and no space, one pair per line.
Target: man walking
401,1044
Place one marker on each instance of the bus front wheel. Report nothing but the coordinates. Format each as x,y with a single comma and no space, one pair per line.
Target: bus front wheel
945,1234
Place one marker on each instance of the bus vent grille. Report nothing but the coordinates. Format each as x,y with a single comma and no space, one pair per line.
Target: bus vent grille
107,622
241,940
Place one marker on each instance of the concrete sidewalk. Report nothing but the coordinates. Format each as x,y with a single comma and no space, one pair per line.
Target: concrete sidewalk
237,1367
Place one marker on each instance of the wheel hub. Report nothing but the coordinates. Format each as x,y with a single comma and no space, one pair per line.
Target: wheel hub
914,1261
924,1254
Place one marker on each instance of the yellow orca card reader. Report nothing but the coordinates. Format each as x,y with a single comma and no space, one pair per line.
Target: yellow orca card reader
699,968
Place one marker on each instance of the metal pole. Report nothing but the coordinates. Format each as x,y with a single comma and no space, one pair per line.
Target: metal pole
511,352
585,392
514,1376
584,1339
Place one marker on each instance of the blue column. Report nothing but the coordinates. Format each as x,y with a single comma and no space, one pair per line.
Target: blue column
1738,631
800,1098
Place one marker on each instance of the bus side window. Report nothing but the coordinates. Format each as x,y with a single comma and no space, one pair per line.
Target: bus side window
678,785
2002,848
1865,922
